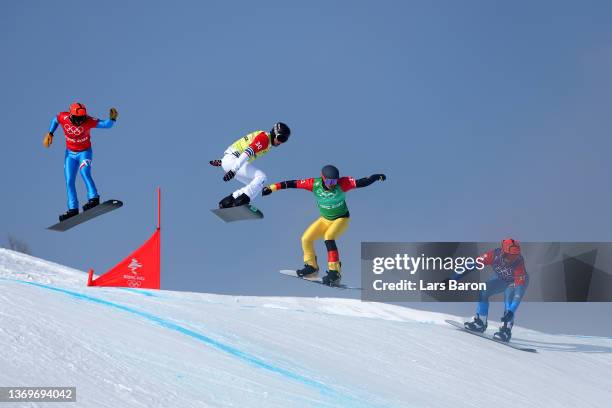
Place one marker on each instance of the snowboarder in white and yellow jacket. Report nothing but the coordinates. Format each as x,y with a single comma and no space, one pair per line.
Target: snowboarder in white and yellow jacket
237,159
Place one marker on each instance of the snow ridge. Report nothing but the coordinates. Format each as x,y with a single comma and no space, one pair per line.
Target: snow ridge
137,348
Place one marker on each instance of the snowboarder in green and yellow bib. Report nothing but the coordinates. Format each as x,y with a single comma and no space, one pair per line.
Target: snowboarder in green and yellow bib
329,191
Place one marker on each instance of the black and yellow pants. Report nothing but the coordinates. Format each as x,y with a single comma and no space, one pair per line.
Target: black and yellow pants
330,231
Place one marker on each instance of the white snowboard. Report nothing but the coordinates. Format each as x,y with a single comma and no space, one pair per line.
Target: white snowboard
317,279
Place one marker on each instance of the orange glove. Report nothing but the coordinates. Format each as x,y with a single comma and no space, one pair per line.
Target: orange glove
48,139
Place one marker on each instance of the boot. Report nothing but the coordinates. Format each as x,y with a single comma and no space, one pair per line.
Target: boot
332,278
307,271
477,325
70,213
504,334
242,199
91,203
227,202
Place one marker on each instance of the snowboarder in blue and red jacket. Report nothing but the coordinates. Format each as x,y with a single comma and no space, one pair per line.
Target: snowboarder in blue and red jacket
77,125
511,278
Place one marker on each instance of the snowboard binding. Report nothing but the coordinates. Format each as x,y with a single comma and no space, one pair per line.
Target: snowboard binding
332,278
227,202
69,214
242,199
504,334
476,325
91,203
230,201
307,271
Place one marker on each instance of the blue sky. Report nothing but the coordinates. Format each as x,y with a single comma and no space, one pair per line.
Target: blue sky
490,119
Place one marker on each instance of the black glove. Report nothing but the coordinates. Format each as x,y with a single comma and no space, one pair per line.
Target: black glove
266,191
508,316
215,163
380,177
229,175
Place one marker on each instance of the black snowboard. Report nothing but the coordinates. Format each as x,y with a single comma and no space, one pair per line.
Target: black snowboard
461,327
242,212
99,209
292,273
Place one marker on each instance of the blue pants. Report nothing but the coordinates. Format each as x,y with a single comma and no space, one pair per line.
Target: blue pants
512,294
73,162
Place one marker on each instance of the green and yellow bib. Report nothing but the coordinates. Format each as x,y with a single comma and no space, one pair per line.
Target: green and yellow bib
331,203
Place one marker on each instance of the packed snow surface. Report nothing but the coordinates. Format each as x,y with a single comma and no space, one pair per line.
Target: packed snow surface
139,348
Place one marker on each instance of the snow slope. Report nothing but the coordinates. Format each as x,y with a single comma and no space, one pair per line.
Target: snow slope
129,348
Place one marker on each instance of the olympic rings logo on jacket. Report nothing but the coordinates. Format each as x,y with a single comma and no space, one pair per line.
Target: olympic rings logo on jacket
73,130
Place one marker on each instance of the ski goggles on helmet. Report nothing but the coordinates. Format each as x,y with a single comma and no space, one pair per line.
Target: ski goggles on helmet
329,182
282,138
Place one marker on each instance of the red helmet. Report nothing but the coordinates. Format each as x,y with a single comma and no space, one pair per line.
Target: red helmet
510,246
78,109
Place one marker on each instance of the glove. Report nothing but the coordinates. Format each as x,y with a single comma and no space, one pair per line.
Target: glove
113,114
229,175
508,316
48,139
266,191
215,163
380,177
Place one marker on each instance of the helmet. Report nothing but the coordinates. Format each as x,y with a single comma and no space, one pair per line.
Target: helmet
78,109
510,246
330,175
280,132
78,113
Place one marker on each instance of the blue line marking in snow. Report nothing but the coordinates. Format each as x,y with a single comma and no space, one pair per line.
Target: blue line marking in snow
322,388
139,292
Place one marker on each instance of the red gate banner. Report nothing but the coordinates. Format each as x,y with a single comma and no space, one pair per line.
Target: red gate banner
141,269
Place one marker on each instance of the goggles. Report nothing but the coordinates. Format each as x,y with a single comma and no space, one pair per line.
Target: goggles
330,182
282,138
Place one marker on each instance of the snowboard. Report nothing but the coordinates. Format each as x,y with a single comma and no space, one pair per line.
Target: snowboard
461,327
240,213
292,273
98,210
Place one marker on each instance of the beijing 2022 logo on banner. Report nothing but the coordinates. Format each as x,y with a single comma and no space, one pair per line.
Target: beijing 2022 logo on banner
134,280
